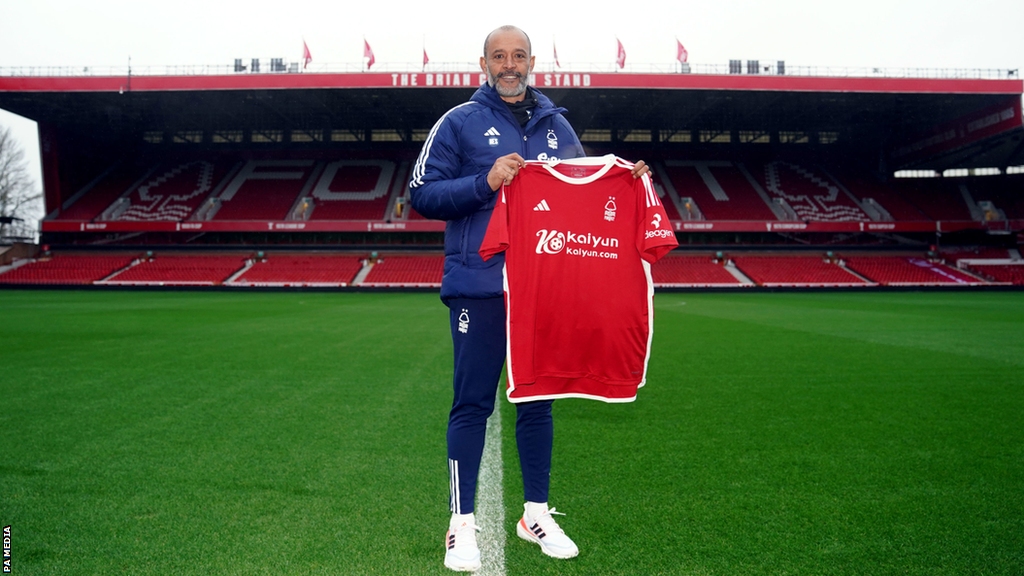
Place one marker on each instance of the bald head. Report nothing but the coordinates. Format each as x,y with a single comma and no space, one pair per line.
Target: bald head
508,28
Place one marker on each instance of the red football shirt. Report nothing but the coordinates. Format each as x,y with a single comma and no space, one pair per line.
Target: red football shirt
578,237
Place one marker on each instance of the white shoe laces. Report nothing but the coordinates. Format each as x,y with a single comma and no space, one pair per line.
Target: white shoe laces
548,523
465,535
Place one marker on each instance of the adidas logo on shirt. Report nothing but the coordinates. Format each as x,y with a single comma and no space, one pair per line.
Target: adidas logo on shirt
542,207
492,132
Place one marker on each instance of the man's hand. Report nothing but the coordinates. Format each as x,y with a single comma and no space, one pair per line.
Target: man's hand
639,169
504,170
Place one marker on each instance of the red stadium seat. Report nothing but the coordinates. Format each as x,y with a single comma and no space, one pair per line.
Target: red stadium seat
908,271
810,192
180,270
357,190
301,270
66,269
691,271
737,200
264,190
864,186
937,199
98,198
1003,273
173,191
795,271
423,271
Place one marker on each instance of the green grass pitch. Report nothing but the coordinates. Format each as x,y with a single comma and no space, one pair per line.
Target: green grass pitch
303,433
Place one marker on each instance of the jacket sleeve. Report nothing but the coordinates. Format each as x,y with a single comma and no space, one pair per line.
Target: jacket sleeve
438,189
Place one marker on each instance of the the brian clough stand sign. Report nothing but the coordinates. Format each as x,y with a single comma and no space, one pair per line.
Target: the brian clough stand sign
446,79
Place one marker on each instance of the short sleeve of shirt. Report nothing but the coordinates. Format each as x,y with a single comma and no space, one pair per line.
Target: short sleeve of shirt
496,239
655,237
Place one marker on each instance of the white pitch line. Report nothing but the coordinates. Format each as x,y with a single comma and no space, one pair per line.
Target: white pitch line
490,508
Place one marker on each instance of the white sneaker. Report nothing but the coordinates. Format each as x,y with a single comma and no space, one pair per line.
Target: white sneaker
461,553
545,531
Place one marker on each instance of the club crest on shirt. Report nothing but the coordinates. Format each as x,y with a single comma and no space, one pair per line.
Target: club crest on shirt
609,209
464,321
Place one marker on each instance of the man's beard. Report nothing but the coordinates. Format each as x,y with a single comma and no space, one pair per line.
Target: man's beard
504,91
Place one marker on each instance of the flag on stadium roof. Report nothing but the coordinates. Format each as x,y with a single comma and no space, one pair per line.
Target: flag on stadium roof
621,58
425,58
306,56
681,53
555,49
368,53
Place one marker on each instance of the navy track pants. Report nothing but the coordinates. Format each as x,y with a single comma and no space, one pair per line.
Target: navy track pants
478,336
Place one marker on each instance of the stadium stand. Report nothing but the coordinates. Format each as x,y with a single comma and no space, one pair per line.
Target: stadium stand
96,199
936,199
749,204
426,269
867,188
908,271
264,190
77,269
1005,195
260,189
412,271
773,271
356,190
953,254
170,270
732,196
666,199
811,194
301,270
692,272
775,178
170,192
1002,273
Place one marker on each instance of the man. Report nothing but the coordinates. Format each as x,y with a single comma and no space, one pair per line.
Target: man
469,154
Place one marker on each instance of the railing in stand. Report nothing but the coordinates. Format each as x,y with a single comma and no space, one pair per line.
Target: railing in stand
765,68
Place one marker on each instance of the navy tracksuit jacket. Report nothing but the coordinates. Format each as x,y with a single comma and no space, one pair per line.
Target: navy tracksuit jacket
449,182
